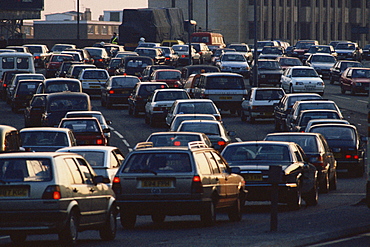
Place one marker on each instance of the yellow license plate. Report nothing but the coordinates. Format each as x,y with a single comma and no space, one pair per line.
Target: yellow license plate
13,192
253,177
226,97
94,86
156,183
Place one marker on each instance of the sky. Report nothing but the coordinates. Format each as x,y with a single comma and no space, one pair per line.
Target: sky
96,6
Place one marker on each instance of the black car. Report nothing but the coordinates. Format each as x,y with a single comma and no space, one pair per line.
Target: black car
269,72
23,93
114,65
339,67
196,69
6,79
49,109
134,65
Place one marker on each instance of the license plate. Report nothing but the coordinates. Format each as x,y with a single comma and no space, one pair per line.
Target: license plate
156,183
337,155
125,92
13,192
226,97
94,86
253,177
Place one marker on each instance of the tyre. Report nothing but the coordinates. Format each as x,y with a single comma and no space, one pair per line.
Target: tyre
324,185
235,212
128,219
109,229
294,200
18,238
129,110
333,182
342,90
68,235
242,116
208,217
291,90
331,80
311,198
250,118
158,218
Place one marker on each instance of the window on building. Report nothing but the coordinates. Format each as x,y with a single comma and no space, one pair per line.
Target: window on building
114,16
340,34
266,2
90,29
332,31
281,29
305,3
265,29
355,3
104,30
325,34
305,31
97,30
325,3
251,2
251,29
340,4
281,3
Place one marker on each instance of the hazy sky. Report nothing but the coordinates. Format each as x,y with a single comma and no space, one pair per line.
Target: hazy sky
96,6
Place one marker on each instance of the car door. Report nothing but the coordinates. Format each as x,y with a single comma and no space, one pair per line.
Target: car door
34,112
284,79
346,79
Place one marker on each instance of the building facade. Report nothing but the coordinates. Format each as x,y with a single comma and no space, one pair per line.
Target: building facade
288,20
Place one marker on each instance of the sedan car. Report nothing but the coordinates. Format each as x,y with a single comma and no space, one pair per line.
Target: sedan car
298,179
302,79
117,89
160,102
355,80
215,131
322,63
168,139
269,72
53,193
169,76
234,62
300,123
339,67
181,117
105,160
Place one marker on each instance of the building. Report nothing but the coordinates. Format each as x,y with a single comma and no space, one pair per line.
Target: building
288,20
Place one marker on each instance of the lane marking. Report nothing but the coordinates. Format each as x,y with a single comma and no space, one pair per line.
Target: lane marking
238,139
341,240
126,142
362,101
118,134
341,97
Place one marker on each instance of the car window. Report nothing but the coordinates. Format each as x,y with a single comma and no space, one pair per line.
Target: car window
95,158
202,163
220,162
44,138
212,162
30,170
87,176
114,163
75,172
225,82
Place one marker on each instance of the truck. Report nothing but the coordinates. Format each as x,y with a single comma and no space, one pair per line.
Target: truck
153,24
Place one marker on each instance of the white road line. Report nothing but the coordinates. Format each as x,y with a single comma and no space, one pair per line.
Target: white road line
340,240
125,142
118,134
348,194
238,139
341,97
362,101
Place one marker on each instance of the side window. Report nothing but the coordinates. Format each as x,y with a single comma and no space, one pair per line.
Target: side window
76,174
113,161
212,162
221,163
119,156
12,141
202,163
85,171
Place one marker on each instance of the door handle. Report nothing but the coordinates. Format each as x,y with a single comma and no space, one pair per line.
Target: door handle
92,190
75,190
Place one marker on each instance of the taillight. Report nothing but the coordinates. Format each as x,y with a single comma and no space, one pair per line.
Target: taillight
221,143
350,156
197,186
52,192
37,57
317,160
111,92
218,117
4,85
116,185
177,143
100,141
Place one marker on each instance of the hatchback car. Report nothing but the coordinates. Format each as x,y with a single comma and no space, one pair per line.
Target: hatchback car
298,178
168,139
92,80
322,63
193,180
302,79
23,93
355,80
59,186
169,76
181,117
46,139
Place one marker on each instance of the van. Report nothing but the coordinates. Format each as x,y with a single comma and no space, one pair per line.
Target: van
208,38
9,139
20,61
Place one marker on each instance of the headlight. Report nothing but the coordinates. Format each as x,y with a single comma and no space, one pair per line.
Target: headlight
319,83
299,83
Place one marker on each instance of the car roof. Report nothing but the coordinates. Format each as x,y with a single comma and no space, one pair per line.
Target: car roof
302,67
318,110
191,100
176,133
335,125
34,155
44,129
210,74
294,134
87,148
60,79
170,90
258,143
84,112
201,121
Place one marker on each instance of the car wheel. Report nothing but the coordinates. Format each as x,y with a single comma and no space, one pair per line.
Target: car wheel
242,116
18,238
331,80
324,185
294,200
109,229
135,112
235,212
250,118
333,182
353,91
69,234
342,90
208,217
291,90
311,197
158,218
128,219
129,110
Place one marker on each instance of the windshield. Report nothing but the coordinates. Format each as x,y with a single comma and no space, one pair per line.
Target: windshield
361,73
290,62
345,46
308,143
168,95
323,59
233,57
60,86
166,75
25,169
180,48
316,115
268,65
68,104
225,82
197,108
78,125
44,138
269,94
336,134
95,158
95,74
206,128
304,45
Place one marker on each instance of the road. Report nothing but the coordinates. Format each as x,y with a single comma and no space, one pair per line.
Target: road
339,213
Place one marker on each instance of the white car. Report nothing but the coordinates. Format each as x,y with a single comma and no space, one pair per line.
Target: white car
322,63
160,102
105,160
302,79
93,79
234,62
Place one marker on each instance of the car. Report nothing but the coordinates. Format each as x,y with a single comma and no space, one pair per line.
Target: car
92,80
16,78
87,130
134,65
299,125
139,96
192,106
302,105
366,52
260,103
75,69
214,129
169,76
57,48
45,180
298,179
49,109
105,160
218,52
63,69
340,66
347,146
327,49
46,139
181,117
55,85
204,52
302,79
355,80
54,63
40,54
146,75
187,181
23,93
244,49
348,51
10,139
75,54
6,79
189,70
271,52
171,58
114,65
149,44
122,54
283,108
175,138
301,47
171,42
154,53
117,90
318,153
183,52
234,62
160,102
100,56
287,62
18,48
86,57
96,114
314,122
269,72
226,90
322,63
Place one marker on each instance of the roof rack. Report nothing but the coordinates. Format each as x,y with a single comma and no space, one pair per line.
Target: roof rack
141,145
197,144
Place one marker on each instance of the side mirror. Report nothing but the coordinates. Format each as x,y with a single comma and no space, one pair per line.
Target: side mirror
231,133
107,130
235,169
108,122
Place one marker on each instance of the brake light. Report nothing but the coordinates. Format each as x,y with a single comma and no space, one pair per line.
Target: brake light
197,186
99,141
100,60
162,86
52,192
167,58
111,92
349,156
221,143
4,85
116,185
37,57
177,143
317,160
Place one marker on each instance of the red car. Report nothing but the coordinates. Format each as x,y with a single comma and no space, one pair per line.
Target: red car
55,62
356,80
169,76
87,130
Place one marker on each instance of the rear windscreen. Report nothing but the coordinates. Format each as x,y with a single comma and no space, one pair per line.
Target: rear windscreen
225,82
24,169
